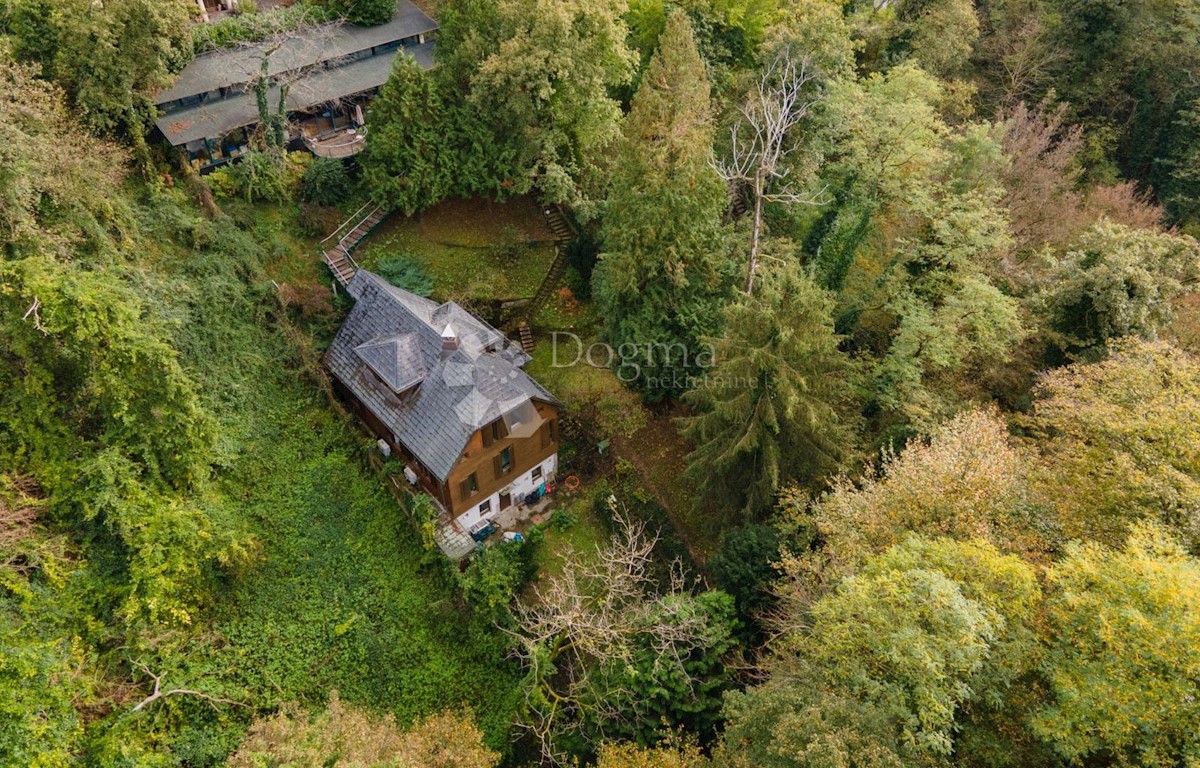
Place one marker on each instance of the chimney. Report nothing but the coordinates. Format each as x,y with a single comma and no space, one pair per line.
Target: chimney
449,339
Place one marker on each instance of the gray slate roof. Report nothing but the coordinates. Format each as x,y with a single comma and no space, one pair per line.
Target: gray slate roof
392,337
239,66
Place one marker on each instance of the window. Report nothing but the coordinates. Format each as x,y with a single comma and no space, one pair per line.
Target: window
493,432
470,486
486,507
536,474
504,462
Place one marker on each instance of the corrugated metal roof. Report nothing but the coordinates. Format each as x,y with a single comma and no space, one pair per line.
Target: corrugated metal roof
463,390
215,119
239,66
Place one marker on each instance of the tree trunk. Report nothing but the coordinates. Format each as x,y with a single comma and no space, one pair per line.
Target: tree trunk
755,235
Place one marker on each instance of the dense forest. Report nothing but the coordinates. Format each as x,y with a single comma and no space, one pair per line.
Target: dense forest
914,282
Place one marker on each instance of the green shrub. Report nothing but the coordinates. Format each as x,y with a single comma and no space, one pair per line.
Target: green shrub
405,272
246,7
563,518
367,12
253,27
260,176
496,575
325,182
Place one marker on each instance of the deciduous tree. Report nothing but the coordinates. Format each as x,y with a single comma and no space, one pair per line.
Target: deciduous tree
1124,658
544,87
966,479
1120,442
342,736
880,670
1119,281
109,57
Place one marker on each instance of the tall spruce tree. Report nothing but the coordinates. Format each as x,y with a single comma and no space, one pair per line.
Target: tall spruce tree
665,270
770,411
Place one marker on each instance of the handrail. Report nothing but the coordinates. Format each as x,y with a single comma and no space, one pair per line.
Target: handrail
342,242
354,217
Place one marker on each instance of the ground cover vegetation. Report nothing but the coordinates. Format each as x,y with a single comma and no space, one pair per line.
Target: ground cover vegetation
909,475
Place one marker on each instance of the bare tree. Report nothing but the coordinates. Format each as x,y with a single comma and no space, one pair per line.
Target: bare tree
595,613
764,137
1024,55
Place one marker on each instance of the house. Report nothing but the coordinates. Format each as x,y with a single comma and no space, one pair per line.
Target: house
329,73
446,393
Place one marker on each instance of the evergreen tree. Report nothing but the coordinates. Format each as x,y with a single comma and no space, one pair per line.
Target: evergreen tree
664,270
405,164
770,411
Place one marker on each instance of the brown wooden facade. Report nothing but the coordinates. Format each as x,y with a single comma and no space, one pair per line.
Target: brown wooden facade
480,471
482,459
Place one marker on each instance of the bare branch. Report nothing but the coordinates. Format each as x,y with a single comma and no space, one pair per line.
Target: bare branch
33,312
765,136
592,615
159,693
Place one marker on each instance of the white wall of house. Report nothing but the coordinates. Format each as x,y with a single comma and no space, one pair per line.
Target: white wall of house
526,483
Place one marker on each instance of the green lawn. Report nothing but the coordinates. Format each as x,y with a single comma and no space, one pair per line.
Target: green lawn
455,241
577,540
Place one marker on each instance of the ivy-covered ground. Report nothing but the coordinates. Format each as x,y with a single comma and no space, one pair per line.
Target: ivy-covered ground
338,598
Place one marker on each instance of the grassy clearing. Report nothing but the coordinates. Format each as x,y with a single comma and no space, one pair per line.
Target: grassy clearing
456,243
576,540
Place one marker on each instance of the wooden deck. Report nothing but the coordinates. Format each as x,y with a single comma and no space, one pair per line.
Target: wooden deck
339,144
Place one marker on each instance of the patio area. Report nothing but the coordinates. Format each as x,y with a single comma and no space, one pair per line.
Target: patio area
456,543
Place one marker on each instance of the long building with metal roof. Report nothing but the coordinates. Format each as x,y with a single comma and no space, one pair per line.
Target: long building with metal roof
212,101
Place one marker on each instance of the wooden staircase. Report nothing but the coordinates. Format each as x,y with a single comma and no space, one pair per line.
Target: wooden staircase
564,233
346,237
560,225
525,336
